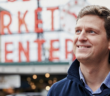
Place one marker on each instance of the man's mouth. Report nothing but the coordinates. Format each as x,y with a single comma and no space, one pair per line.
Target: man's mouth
83,46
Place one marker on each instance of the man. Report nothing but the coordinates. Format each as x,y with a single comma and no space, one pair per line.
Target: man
89,74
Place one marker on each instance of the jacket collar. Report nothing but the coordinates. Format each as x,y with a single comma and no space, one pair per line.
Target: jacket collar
73,74
73,71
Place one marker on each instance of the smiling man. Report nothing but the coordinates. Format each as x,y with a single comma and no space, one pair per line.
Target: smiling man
89,74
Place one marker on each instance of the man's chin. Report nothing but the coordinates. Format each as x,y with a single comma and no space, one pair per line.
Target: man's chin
81,58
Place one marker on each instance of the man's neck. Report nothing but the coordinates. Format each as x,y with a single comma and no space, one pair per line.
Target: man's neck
94,74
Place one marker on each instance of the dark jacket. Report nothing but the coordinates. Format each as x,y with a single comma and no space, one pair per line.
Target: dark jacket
72,85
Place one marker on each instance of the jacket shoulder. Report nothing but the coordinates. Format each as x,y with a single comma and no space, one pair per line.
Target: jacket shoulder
57,87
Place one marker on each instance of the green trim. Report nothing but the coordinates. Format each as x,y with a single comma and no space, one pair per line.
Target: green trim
34,63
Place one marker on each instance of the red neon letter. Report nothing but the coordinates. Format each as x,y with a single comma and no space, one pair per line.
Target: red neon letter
7,52
52,17
66,46
11,0
26,52
2,22
66,50
40,42
37,21
52,49
22,21
26,0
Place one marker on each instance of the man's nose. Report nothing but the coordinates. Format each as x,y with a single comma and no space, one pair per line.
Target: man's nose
82,36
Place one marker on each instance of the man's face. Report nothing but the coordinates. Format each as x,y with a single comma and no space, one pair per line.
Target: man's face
90,41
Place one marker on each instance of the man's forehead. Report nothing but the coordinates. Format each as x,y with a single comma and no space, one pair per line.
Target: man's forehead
90,20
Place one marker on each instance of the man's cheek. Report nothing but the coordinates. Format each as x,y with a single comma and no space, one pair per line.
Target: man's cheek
74,49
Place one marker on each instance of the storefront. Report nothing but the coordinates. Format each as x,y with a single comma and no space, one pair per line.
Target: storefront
33,77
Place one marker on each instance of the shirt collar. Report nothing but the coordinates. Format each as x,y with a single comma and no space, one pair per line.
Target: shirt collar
106,81
81,76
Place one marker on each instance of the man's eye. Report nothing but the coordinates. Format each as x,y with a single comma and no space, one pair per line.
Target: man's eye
78,31
91,31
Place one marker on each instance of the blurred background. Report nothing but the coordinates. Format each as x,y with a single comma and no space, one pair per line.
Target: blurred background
36,43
